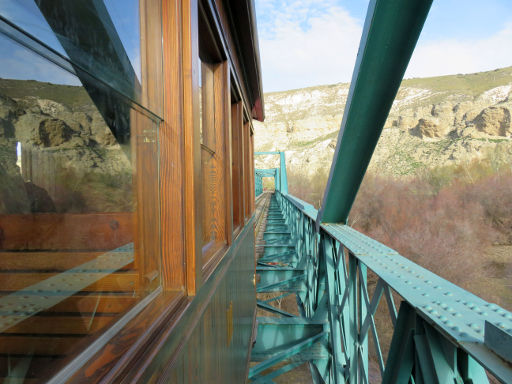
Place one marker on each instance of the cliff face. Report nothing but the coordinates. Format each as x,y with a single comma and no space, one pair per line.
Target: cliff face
56,152
433,122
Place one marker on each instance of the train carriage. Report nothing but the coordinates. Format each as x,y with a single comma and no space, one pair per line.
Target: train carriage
127,196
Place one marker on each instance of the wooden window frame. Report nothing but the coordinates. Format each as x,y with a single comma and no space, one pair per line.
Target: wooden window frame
219,185
247,171
237,166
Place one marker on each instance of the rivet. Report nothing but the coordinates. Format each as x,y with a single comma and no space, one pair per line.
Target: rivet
474,326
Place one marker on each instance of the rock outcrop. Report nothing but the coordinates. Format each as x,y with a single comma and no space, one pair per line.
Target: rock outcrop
494,121
58,155
433,122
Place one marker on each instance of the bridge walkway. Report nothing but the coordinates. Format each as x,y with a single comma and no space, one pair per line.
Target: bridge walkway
285,338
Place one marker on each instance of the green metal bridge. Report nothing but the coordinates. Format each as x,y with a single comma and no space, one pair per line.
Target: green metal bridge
440,332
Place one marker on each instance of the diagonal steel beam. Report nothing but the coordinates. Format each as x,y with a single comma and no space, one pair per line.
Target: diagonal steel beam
278,357
272,309
391,30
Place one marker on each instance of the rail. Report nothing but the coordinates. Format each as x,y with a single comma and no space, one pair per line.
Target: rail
442,333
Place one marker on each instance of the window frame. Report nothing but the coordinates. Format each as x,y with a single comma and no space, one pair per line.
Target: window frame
237,166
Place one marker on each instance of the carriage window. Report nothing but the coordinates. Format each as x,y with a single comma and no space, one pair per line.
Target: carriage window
79,204
237,164
100,37
213,176
248,171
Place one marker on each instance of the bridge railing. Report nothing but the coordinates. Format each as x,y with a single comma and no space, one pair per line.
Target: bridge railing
441,333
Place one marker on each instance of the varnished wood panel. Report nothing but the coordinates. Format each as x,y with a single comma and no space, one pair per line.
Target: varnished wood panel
191,145
226,113
221,90
115,282
47,261
150,54
147,224
132,348
40,345
172,167
251,179
90,303
215,158
94,231
247,171
237,163
68,325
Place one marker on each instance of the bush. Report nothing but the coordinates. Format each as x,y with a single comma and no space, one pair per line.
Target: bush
446,219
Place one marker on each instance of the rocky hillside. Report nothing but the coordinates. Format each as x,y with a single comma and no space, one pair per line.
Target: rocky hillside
57,154
434,121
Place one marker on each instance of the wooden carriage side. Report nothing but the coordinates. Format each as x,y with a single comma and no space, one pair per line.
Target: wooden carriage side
154,281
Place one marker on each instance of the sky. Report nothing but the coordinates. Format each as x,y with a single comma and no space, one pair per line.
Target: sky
17,62
313,42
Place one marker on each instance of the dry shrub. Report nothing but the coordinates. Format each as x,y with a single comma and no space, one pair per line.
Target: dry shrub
445,219
446,230
309,188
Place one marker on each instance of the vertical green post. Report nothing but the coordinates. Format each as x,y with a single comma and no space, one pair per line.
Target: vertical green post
363,341
284,179
277,181
352,336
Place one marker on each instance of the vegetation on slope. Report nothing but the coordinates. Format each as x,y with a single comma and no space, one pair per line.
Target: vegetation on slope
472,84
454,220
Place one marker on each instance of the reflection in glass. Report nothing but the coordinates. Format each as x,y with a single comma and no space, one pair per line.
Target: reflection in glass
100,37
78,211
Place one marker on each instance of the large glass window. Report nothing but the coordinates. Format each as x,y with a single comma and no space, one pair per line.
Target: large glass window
100,37
79,204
